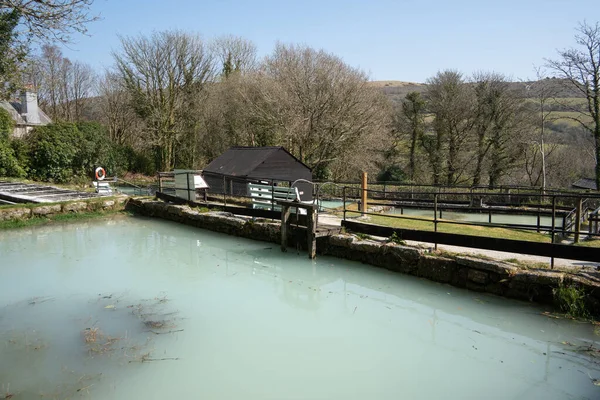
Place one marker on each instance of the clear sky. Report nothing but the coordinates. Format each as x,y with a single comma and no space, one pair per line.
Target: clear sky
406,40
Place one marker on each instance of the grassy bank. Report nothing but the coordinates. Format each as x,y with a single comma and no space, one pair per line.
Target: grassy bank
426,224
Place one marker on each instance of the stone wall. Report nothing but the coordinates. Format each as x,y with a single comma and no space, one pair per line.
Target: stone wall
20,211
496,277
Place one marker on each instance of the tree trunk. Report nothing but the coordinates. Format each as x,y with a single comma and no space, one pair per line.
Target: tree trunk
413,145
480,157
597,134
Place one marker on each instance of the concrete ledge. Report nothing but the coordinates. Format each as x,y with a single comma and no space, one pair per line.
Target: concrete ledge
20,212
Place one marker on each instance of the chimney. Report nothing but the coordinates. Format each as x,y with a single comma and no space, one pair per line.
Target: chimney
29,106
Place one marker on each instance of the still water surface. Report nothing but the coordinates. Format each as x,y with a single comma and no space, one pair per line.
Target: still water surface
249,322
518,219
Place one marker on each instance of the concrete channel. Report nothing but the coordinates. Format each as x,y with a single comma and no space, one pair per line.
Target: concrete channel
18,192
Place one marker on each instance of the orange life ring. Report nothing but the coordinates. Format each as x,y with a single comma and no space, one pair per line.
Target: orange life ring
100,174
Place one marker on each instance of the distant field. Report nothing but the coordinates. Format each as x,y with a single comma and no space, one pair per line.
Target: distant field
397,90
566,117
379,84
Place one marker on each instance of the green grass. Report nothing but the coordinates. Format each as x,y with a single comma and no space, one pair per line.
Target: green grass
424,224
571,300
566,117
588,243
58,218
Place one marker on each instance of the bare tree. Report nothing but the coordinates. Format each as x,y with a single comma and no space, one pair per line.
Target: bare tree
51,70
115,109
51,20
322,105
499,117
80,88
580,68
234,53
161,73
543,92
64,87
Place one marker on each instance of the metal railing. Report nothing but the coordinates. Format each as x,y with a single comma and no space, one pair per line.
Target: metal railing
565,207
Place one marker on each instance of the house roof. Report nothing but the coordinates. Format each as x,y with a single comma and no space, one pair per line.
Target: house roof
14,109
241,161
585,183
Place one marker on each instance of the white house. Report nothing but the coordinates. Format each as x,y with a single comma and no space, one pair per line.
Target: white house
26,113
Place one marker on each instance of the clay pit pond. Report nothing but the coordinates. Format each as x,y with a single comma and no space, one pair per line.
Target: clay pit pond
134,308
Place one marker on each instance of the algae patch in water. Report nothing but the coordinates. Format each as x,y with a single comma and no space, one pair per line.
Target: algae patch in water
67,347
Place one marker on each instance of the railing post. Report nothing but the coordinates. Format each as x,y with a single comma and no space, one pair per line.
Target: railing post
224,192
311,233
187,178
273,195
435,219
538,221
578,220
285,216
159,183
344,201
553,227
364,186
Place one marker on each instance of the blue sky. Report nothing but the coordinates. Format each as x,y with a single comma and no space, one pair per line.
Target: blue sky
405,40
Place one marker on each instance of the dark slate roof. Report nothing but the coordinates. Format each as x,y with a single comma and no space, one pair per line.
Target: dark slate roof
585,183
241,161
14,109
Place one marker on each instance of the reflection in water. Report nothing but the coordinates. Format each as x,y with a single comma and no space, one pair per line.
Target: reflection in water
261,324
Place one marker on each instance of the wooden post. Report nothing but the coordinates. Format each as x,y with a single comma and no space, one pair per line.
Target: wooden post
224,192
553,226
159,183
578,219
187,178
311,233
272,195
344,200
285,216
538,221
363,199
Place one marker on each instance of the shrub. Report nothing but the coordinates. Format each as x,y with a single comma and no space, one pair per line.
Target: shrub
393,173
53,152
396,239
6,124
94,150
571,299
9,164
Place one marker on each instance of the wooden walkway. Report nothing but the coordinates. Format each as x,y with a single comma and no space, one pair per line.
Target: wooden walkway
17,192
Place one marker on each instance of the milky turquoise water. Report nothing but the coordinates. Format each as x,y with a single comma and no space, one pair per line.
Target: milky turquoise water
484,217
249,322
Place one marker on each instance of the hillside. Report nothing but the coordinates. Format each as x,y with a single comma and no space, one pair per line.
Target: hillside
397,90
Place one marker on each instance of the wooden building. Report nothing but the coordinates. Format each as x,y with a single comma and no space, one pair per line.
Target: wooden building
233,170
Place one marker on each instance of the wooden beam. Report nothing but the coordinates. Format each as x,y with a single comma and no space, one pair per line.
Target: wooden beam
285,216
578,220
311,234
